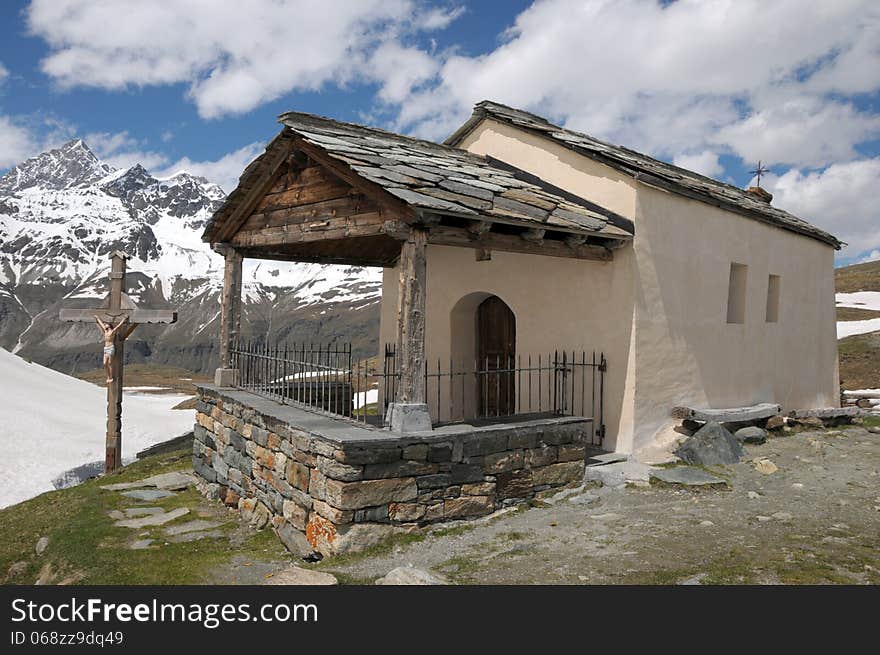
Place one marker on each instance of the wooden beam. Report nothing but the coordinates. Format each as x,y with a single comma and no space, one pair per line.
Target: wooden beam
452,236
387,202
113,315
326,229
280,255
230,309
411,317
253,196
479,227
533,234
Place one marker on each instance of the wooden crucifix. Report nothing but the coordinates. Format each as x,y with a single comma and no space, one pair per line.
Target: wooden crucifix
120,312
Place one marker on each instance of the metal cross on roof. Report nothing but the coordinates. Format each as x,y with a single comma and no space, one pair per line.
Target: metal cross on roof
759,171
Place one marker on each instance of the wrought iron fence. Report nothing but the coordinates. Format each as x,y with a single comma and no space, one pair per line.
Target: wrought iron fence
558,383
326,378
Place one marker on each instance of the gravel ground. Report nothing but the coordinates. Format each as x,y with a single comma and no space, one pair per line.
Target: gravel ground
814,520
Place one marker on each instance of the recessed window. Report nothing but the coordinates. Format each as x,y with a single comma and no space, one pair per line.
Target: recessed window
773,298
736,293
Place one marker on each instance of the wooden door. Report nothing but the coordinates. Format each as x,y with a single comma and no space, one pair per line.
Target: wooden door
496,348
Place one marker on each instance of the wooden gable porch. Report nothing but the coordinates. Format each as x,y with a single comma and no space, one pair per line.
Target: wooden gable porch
335,193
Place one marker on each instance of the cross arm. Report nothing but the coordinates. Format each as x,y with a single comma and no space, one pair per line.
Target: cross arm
113,316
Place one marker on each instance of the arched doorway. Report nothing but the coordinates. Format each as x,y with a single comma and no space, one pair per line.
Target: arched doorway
496,351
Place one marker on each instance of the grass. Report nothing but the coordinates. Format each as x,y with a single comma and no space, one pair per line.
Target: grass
85,547
856,314
151,375
860,361
859,277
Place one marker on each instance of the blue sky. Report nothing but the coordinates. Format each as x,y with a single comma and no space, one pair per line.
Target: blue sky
712,85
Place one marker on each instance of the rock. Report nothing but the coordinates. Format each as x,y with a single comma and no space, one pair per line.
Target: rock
191,526
42,545
122,486
16,569
295,575
133,512
618,474
774,422
751,434
147,494
155,519
874,430
407,575
173,481
797,485
764,519
370,493
712,445
765,466
706,524
141,544
116,515
693,580
196,536
686,475
294,540
587,499
782,516
807,422
753,495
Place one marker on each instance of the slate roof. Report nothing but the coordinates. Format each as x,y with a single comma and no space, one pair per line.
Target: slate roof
646,169
439,179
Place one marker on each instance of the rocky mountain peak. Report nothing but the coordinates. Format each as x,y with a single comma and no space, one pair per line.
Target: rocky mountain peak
69,166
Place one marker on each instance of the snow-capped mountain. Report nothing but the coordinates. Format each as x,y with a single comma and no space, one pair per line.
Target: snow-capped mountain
64,211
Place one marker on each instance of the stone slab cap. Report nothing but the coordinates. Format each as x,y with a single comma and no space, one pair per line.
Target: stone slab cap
409,417
226,377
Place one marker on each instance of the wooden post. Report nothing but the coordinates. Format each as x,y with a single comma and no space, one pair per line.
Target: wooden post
117,306
113,451
230,314
409,413
411,317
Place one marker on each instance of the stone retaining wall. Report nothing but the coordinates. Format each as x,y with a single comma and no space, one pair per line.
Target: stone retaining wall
345,495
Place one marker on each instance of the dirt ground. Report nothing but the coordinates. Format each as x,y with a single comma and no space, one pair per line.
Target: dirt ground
815,520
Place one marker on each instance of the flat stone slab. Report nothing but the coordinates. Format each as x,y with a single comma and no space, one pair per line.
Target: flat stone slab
196,536
155,519
728,415
173,481
192,526
618,474
141,544
122,486
688,476
407,575
147,494
296,575
606,458
134,512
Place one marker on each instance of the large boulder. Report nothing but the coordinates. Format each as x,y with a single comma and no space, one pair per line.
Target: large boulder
710,446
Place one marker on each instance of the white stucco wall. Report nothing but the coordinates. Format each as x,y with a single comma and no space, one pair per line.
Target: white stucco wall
558,303
683,350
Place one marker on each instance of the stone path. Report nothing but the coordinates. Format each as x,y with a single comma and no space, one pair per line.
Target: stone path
154,488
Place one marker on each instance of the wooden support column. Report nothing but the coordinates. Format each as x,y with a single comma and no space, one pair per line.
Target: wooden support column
230,314
409,412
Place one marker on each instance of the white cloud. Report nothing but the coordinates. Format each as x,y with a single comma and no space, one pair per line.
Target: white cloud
4,73
16,143
223,171
873,256
233,56
705,163
800,130
121,150
841,199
